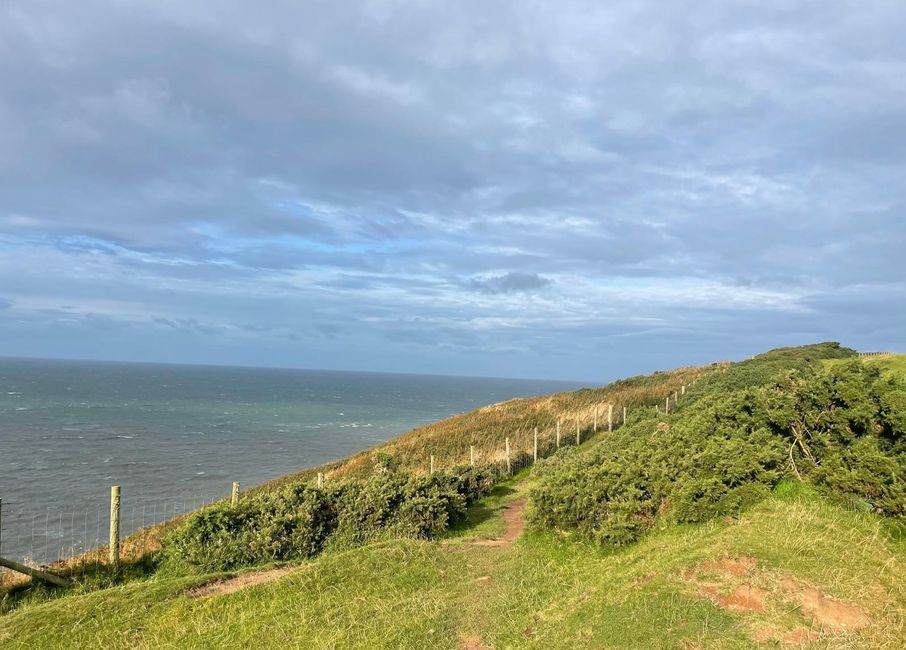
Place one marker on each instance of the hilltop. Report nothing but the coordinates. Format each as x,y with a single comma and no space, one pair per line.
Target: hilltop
750,504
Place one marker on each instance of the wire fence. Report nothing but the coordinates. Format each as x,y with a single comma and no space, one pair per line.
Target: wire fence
519,449
77,535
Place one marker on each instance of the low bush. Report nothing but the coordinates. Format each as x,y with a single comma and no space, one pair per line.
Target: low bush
299,521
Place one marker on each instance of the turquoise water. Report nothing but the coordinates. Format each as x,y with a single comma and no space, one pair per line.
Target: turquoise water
175,436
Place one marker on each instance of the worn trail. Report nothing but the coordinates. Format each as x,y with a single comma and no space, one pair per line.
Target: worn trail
512,518
228,586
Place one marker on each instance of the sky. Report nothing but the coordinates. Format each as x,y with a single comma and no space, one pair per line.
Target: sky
560,190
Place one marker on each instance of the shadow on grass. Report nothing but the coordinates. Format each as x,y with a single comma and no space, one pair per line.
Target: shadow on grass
488,507
86,578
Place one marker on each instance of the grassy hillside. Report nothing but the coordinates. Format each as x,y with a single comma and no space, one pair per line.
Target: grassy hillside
672,590
486,428
711,526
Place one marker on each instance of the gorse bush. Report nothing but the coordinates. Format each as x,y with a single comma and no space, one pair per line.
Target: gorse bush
738,434
299,521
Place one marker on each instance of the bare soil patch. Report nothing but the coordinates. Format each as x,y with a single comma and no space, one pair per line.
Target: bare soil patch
827,612
744,598
228,586
735,585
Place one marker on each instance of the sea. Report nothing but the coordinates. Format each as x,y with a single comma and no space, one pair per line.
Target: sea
174,437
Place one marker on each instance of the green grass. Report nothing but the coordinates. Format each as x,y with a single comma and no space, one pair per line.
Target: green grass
545,591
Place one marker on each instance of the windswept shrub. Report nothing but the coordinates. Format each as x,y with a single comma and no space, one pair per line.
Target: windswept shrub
299,521
291,523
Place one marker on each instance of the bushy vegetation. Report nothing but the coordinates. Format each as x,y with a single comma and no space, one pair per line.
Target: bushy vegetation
299,520
782,414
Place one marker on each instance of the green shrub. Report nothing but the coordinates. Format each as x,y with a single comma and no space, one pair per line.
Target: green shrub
781,414
299,521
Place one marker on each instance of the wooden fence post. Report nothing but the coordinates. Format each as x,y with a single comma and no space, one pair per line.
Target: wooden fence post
610,418
234,497
535,455
558,433
432,463
35,573
667,406
115,526
509,467
624,416
578,432
472,455
595,423
320,480
683,391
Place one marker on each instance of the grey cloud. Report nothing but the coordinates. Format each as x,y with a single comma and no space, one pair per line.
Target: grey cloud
512,282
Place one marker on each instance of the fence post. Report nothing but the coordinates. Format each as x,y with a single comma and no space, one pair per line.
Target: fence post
536,446
472,455
578,433
115,526
610,418
234,497
320,480
509,467
558,433
432,463
683,391
595,424
624,416
667,405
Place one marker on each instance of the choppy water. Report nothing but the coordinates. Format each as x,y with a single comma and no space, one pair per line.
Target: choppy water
173,436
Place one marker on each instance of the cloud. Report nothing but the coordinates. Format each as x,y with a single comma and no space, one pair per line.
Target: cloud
512,282
530,181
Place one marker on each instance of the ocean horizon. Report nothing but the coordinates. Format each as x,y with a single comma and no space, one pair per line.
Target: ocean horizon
177,435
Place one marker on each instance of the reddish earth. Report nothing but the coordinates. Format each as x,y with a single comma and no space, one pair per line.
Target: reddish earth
714,578
744,598
828,612
230,585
